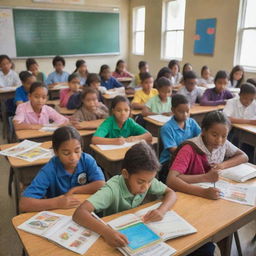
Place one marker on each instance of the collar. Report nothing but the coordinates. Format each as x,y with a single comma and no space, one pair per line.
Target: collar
175,125
31,110
61,169
124,189
116,127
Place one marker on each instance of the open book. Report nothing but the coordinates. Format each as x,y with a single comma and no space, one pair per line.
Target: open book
160,118
239,173
111,147
60,229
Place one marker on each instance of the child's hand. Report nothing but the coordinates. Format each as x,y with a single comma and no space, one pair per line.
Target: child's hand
212,175
131,139
154,215
167,113
115,238
119,141
67,201
35,126
212,193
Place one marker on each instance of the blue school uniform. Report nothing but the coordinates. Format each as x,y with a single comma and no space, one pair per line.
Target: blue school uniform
55,77
172,135
53,180
21,94
111,83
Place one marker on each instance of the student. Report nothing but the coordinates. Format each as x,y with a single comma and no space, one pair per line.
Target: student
206,77
127,191
74,85
200,159
58,76
164,72
34,114
69,172
143,95
186,67
217,95
121,71
21,93
94,81
178,129
91,109
8,77
174,66
33,67
251,81
108,81
161,103
119,128
143,68
190,89
82,71
236,77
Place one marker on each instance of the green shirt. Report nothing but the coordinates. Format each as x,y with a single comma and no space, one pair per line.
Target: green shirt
115,197
110,129
157,106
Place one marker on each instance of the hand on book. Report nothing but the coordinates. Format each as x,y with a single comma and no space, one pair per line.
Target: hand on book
212,175
115,238
67,201
212,193
154,215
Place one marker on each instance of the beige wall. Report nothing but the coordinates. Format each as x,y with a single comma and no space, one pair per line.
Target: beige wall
93,62
226,13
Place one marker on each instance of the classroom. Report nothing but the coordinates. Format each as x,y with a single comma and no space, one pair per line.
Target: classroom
128,127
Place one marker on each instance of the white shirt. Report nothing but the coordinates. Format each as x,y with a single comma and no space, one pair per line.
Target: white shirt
193,96
10,80
235,82
235,109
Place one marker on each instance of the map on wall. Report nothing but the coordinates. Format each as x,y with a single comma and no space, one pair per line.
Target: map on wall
205,36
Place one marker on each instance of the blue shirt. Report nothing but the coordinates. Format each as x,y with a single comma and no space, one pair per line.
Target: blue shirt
55,77
172,135
21,94
53,180
111,83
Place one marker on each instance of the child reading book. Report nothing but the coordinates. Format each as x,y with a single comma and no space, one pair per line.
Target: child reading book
69,172
121,70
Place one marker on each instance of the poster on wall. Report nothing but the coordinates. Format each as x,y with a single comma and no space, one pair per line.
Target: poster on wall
205,36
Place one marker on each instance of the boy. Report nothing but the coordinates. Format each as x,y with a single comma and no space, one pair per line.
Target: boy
58,76
190,90
161,103
126,191
147,91
178,129
143,68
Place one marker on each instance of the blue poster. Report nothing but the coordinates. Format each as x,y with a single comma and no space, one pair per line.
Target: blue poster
205,36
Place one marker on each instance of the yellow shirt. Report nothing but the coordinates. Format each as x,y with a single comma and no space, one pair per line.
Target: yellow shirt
141,97
137,80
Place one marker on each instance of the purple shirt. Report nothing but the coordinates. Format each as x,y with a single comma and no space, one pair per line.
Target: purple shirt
211,98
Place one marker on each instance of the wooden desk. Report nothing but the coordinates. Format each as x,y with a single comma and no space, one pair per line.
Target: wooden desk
54,93
111,160
64,111
135,112
53,103
214,220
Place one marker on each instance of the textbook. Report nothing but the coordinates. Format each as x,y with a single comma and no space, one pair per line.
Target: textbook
111,147
239,173
61,230
147,239
160,118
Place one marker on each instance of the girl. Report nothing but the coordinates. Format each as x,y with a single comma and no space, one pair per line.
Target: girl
73,84
82,71
217,95
69,172
236,77
174,66
206,77
33,67
8,77
163,72
186,67
119,128
93,81
121,71
143,68
34,114
91,109
200,159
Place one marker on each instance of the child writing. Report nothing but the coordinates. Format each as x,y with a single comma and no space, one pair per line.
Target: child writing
21,93
74,85
236,77
174,66
121,71
206,77
143,68
33,67
82,71
58,76
91,109
143,95
127,191
178,129
161,103
119,128
200,159
217,95
34,114
69,172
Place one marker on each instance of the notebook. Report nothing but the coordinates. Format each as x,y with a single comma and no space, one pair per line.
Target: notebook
160,118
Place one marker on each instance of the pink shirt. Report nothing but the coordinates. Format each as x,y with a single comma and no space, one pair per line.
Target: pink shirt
121,75
26,114
64,97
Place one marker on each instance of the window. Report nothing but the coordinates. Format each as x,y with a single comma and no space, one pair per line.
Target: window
173,29
246,37
138,30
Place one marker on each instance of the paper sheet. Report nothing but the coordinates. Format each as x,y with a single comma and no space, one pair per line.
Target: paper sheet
160,118
111,147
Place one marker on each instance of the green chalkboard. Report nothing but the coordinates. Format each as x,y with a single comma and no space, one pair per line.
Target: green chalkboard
49,32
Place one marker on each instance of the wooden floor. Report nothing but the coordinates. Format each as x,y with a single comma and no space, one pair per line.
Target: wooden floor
11,246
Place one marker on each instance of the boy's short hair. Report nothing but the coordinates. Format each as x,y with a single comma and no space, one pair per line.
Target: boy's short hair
221,74
247,88
57,59
251,81
163,82
189,75
92,77
142,64
3,57
24,75
144,76
30,62
140,157
178,99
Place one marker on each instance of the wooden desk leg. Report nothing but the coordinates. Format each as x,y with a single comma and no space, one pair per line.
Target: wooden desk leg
238,245
225,245
17,189
11,173
3,113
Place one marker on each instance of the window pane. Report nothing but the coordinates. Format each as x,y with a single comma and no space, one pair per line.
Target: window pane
248,53
139,43
140,19
175,14
250,17
174,44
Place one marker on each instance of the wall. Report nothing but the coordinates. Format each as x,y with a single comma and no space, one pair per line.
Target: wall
94,62
226,13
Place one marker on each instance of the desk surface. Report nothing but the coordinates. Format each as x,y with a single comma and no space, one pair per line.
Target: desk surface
53,102
64,110
246,127
209,217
